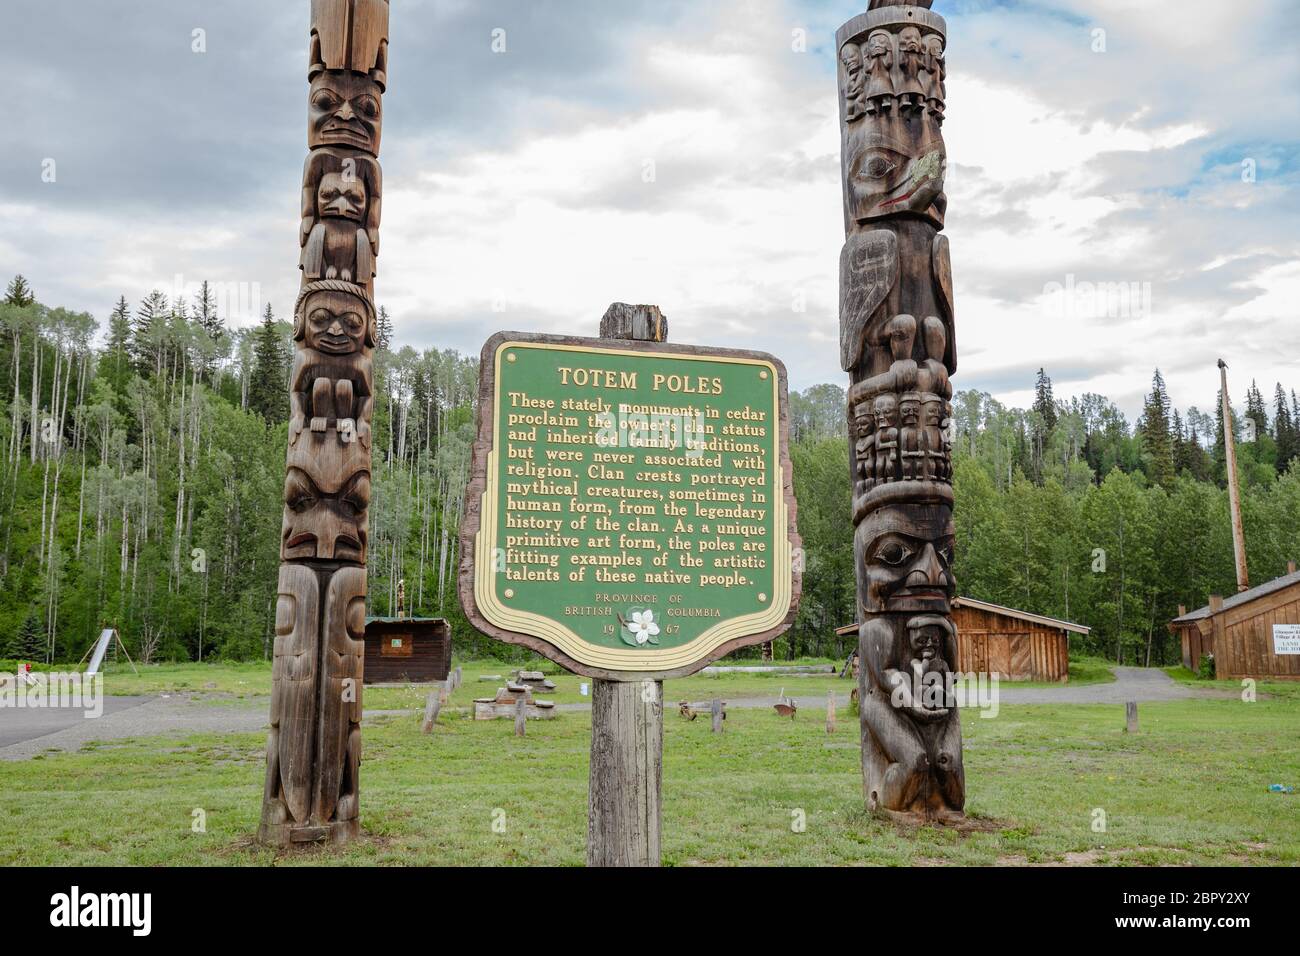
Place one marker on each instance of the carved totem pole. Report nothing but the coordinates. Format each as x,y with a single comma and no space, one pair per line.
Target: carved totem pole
314,750
897,344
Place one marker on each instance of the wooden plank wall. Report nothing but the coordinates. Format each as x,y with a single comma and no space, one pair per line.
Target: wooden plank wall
1016,649
429,660
1244,638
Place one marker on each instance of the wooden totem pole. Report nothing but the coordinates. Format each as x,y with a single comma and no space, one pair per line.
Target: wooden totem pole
897,344
314,749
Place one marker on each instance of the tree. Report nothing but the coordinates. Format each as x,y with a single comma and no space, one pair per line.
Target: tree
28,643
1284,430
1157,443
19,293
1044,404
148,332
384,330
268,389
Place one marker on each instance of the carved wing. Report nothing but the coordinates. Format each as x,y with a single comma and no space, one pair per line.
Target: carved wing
943,289
344,637
868,272
293,686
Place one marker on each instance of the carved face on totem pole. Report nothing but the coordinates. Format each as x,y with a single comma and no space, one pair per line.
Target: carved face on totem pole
336,323
324,519
344,109
907,558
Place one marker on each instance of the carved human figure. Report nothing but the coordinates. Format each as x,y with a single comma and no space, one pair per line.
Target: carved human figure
916,764
911,59
855,80
865,424
886,408
911,452
935,460
936,93
331,386
880,63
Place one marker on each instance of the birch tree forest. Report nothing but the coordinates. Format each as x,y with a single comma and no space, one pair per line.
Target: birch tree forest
144,459
143,469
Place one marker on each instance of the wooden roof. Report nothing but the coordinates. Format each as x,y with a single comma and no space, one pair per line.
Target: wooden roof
1006,612
1237,600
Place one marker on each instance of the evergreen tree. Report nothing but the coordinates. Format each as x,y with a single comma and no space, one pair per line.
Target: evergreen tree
384,331
1154,429
1284,429
1255,410
19,293
28,643
1044,404
268,391
147,332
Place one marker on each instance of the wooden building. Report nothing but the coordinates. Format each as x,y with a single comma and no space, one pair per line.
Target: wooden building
400,650
1016,645
1255,633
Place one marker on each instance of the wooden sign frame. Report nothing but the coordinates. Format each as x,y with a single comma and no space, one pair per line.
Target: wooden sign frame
471,558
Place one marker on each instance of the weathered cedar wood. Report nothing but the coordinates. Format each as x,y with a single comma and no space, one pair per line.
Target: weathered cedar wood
313,753
898,346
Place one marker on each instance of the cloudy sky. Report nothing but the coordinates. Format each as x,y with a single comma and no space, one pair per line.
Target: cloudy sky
686,154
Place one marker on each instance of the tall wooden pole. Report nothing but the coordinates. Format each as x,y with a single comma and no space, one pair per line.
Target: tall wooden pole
624,796
1234,487
898,345
313,752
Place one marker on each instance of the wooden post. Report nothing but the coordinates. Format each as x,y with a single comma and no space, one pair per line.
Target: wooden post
830,711
431,708
627,718
313,751
1131,716
444,691
1234,489
715,708
521,715
627,747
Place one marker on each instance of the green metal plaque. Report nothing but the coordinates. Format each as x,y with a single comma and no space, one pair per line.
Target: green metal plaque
633,508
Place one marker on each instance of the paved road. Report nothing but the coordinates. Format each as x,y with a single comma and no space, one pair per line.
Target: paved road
22,723
27,732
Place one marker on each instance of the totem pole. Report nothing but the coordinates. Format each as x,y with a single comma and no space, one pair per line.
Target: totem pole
897,344
314,749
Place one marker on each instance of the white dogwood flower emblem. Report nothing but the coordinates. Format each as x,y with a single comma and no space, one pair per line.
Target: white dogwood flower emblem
643,626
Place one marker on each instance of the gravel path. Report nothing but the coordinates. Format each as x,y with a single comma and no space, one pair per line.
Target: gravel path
24,733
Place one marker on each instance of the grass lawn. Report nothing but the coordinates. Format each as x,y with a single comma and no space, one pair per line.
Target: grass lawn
1190,788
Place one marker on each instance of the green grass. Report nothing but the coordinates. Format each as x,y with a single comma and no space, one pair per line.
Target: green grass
1189,789
1286,690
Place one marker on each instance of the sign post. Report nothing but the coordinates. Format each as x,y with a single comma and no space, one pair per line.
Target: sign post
630,515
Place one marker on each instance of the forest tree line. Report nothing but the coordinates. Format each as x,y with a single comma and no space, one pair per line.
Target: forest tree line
143,472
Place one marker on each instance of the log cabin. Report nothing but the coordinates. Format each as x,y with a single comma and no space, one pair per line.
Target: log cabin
1255,633
407,650
1016,645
